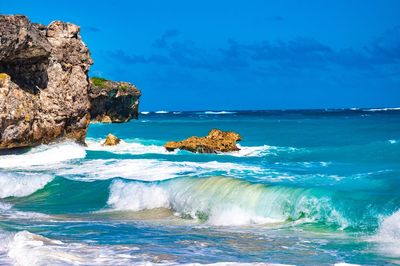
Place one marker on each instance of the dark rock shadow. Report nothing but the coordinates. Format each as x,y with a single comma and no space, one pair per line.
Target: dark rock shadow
30,75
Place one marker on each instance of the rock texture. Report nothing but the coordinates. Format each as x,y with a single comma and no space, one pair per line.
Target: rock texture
111,140
215,142
44,82
113,102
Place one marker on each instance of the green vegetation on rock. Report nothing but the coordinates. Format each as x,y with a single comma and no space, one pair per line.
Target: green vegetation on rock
99,82
123,87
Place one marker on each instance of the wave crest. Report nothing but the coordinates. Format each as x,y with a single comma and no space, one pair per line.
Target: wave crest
226,201
21,184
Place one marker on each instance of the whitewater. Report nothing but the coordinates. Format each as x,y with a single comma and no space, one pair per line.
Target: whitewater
311,187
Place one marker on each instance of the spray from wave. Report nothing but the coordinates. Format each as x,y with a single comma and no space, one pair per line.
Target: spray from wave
388,235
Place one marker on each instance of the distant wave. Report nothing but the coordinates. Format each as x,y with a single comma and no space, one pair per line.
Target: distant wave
382,109
44,155
145,113
162,112
218,112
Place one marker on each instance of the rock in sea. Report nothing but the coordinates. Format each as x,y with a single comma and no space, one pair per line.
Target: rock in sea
111,140
113,102
44,82
215,142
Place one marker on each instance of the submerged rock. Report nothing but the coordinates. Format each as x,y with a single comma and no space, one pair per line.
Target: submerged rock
216,141
113,102
111,140
43,82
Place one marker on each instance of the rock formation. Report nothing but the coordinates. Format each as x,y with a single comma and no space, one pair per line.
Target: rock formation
113,102
44,82
215,142
111,140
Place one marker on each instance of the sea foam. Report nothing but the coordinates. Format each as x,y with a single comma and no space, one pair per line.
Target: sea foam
388,235
250,151
127,148
44,155
137,148
151,169
21,184
26,249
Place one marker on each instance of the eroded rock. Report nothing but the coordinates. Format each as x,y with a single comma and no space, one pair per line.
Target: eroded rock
215,142
44,82
111,140
113,102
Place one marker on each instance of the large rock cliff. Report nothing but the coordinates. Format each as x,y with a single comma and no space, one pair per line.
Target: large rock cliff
43,82
113,102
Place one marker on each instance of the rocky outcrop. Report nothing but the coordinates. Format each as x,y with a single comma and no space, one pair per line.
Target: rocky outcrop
113,102
44,82
111,140
215,142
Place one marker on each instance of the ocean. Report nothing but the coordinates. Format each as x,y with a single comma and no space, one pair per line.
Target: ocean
308,187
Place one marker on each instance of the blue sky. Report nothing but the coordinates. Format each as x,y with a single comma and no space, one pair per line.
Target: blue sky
220,55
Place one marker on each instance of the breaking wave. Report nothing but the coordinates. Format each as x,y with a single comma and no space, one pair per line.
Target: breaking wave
21,184
388,235
44,155
226,201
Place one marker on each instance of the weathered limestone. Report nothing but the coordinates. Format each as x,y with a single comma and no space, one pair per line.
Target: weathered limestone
44,82
111,140
215,142
113,102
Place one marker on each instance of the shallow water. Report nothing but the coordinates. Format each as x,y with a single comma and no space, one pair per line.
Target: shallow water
316,187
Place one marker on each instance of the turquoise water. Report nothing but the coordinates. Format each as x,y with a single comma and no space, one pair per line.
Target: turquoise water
317,187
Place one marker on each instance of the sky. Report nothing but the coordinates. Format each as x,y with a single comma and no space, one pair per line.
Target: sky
239,55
